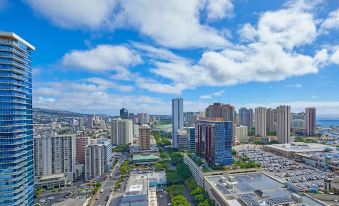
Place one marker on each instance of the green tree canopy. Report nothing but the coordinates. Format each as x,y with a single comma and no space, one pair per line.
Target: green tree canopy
180,200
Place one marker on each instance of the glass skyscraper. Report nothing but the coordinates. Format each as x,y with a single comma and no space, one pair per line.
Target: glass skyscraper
16,138
214,140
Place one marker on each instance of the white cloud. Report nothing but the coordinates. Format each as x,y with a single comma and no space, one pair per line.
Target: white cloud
331,22
103,58
219,9
271,53
75,13
248,33
156,53
155,86
84,97
218,93
214,94
335,56
109,84
205,97
170,23
288,27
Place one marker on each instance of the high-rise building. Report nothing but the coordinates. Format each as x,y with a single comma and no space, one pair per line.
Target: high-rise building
97,158
177,118
214,141
246,117
55,154
16,131
123,113
260,121
81,143
122,131
143,118
270,123
224,111
182,139
188,118
310,121
297,121
214,111
241,134
283,123
107,152
145,137
191,138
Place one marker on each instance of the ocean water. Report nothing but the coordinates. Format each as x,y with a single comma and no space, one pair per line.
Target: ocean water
328,122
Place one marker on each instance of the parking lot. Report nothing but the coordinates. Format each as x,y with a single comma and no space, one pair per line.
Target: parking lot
298,174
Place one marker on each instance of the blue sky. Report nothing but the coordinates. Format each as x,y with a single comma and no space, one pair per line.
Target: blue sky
98,56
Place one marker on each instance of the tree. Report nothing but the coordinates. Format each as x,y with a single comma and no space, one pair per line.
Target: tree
183,170
204,203
160,166
197,191
176,157
191,183
164,155
175,190
199,197
172,177
180,200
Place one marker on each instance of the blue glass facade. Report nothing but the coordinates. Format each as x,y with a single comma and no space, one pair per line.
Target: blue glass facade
16,138
191,139
214,141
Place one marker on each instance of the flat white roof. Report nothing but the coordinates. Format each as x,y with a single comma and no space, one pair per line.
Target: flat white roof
14,36
300,147
135,188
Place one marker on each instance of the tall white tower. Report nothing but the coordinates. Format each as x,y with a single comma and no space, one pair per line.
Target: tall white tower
177,118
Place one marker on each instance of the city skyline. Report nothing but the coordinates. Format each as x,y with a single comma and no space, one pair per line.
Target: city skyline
114,59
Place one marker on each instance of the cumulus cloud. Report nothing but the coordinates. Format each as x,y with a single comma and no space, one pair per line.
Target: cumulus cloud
271,52
170,23
288,27
219,9
75,13
331,22
103,58
334,58
84,97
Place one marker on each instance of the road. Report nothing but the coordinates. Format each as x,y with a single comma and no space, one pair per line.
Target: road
108,184
188,196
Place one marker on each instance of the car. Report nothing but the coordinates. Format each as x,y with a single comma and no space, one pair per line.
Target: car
42,200
102,190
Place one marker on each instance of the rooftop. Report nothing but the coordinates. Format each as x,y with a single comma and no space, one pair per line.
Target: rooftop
54,176
137,184
16,37
300,147
253,189
150,157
